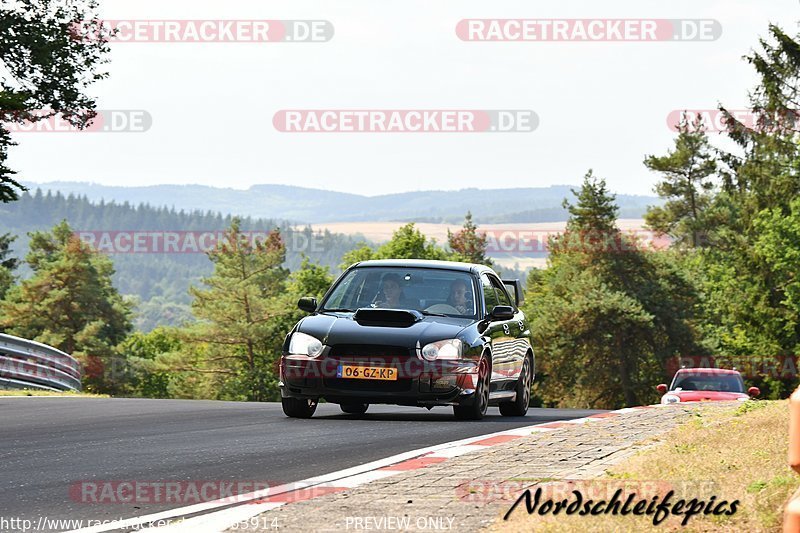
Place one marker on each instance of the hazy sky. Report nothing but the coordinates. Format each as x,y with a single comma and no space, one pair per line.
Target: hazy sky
602,105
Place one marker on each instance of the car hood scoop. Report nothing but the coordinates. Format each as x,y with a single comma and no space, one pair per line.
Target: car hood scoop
393,318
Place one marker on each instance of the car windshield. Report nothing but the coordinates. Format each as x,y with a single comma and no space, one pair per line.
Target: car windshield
428,290
709,382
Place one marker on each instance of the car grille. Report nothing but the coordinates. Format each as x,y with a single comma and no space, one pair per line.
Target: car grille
367,350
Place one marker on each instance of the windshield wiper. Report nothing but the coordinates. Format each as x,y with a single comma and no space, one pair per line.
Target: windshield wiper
428,313
338,310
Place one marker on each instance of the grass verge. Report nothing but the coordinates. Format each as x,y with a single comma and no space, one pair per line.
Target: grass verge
31,392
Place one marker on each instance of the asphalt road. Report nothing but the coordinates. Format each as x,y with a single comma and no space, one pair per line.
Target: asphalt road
48,445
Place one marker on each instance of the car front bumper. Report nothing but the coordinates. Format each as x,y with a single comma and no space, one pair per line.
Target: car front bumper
418,383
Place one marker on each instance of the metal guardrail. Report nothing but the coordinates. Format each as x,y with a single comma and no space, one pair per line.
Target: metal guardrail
26,364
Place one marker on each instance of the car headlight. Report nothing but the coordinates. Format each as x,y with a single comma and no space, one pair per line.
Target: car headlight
303,344
670,398
446,349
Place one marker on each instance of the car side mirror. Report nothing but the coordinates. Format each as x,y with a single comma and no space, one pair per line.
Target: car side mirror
307,303
661,388
753,392
514,286
502,312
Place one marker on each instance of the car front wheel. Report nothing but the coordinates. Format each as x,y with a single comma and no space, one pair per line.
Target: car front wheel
519,407
477,409
298,408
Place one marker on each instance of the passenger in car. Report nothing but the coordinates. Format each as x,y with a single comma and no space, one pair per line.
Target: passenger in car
458,297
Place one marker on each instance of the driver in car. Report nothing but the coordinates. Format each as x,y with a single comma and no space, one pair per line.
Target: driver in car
392,293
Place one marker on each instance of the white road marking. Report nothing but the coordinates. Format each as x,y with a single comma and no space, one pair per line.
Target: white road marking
455,451
366,477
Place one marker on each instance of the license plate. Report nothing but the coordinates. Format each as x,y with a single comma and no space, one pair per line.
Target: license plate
366,372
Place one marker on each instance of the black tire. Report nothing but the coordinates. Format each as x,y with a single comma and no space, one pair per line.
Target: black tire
298,408
477,409
354,408
519,407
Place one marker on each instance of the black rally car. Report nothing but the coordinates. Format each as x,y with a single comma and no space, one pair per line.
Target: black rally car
411,332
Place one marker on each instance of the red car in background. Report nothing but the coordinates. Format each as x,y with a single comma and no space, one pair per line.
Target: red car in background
706,384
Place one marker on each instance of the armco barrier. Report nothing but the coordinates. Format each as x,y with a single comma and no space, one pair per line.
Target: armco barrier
791,516
28,364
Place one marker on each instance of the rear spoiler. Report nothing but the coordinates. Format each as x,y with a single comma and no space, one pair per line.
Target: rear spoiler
514,287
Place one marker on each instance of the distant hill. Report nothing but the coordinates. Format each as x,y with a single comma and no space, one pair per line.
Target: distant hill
304,205
160,281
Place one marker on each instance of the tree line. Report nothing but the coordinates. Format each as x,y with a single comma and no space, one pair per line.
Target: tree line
159,282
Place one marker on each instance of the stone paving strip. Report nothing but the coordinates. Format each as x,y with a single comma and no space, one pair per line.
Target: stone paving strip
465,492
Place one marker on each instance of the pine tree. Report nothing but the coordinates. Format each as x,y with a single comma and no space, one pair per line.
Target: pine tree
766,175
235,308
685,186
468,244
595,209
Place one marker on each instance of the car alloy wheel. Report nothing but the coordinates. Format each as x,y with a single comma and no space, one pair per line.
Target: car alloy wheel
483,383
519,407
478,408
